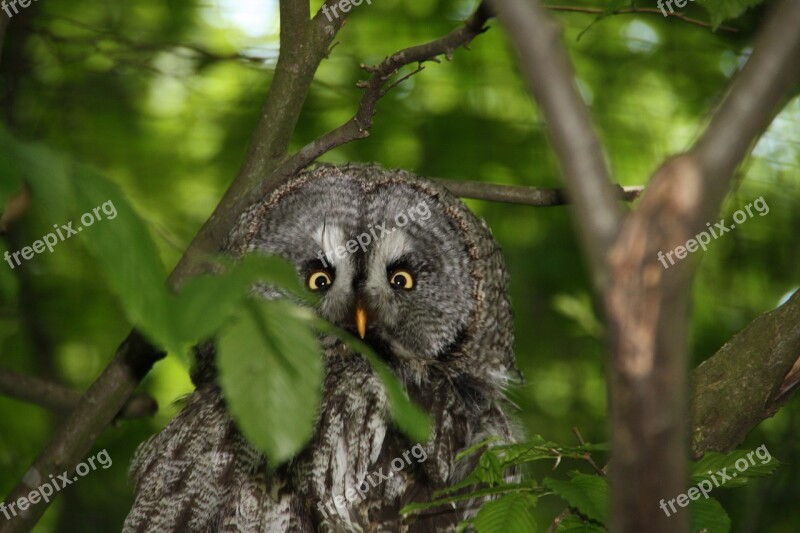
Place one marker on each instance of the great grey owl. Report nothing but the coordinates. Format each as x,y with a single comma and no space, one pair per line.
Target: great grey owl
427,292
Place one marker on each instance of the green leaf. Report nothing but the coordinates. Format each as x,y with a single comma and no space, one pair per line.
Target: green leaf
44,170
205,303
122,246
610,9
589,494
738,465
574,524
504,488
271,372
509,514
709,515
722,10
70,195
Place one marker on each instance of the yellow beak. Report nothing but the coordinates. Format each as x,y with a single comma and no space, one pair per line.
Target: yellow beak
361,320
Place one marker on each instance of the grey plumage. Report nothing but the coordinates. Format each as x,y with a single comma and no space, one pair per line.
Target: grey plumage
448,338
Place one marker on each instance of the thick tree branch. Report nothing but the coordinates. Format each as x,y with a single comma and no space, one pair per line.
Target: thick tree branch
375,88
516,194
549,73
61,399
646,305
741,385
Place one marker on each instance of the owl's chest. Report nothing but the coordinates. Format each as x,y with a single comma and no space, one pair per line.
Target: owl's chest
357,467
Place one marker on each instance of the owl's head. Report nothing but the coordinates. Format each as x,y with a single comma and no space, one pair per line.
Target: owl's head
396,260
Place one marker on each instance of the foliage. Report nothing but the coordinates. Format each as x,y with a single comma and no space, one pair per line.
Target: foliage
587,496
269,354
158,99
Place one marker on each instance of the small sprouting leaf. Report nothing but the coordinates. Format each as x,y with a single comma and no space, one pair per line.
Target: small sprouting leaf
271,372
587,493
510,514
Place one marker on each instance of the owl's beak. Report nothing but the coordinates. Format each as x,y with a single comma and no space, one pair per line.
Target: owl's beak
361,320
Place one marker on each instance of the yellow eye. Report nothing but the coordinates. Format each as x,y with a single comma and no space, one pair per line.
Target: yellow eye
319,280
401,279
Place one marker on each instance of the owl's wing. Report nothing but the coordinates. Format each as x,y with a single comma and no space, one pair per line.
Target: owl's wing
200,474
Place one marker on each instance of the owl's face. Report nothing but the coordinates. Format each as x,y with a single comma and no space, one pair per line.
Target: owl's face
387,260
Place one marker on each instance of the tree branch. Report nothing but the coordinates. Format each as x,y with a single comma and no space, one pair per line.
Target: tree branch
639,10
646,306
740,385
61,399
552,82
516,194
374,89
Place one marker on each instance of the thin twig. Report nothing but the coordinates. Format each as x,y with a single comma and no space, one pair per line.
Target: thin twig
519,194
638,10
578,436
358,127
587,456
61,399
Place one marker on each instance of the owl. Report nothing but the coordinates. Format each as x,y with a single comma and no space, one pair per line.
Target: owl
403,264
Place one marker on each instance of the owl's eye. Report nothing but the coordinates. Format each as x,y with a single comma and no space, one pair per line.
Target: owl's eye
401,279
319,280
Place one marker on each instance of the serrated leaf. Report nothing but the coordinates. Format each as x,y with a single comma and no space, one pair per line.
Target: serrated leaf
505,488
271,373
509,514
589,494
575,524
709,515
738,465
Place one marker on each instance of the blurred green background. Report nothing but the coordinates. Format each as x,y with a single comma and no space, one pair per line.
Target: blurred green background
163,96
